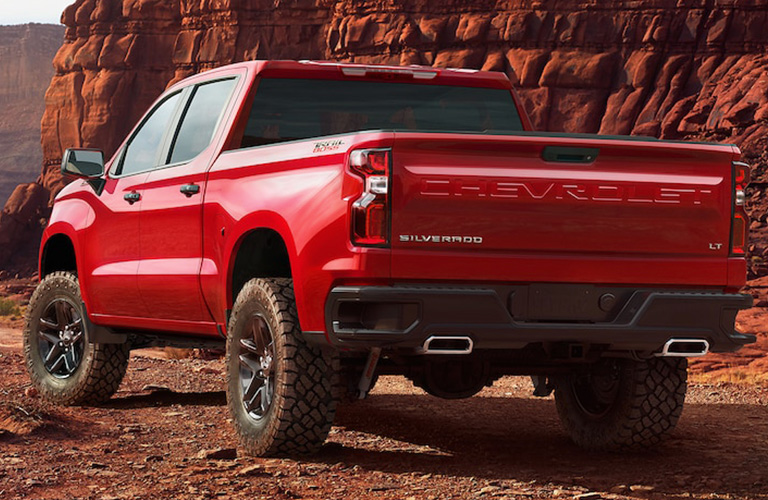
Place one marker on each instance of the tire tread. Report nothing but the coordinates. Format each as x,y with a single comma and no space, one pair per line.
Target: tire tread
650,405
108,363
303,420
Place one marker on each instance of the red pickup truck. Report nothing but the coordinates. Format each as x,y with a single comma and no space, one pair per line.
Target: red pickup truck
332,222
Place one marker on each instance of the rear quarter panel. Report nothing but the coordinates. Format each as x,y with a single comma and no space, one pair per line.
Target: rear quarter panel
302,190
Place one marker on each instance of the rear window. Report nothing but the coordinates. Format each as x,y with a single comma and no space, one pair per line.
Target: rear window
291,109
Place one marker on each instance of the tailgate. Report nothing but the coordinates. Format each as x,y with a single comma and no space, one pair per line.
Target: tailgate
560,209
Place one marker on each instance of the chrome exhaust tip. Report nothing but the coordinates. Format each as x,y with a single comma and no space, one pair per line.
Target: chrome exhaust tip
684,348
437,344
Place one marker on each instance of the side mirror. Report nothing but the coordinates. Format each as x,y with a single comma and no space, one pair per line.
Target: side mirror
83,163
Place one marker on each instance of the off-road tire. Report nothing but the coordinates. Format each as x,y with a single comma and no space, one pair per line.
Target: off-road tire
303,406
648,402
102,367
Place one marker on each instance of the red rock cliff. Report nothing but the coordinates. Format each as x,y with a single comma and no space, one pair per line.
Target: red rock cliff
676,69
25,72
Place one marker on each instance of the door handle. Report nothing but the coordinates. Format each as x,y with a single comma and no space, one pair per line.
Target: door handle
132,197
190,189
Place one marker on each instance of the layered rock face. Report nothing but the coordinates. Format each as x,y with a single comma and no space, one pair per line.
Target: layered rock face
25,73
675,69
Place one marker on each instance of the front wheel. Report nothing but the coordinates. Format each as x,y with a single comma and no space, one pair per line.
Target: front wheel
622,403
280,390
63,365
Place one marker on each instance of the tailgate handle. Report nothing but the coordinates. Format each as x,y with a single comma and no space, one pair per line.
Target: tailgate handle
569,155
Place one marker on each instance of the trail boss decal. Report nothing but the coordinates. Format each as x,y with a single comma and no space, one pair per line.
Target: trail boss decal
433,238
326,146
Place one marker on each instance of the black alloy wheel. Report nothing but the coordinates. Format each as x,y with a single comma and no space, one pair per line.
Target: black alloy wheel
595,393
62,338
280,389
62,361
257,360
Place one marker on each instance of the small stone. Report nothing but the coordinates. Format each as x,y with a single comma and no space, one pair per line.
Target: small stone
589,496
619,489
252,470
155,388
640,488
207,369
488,489
31,392
384,487
33,482
218,454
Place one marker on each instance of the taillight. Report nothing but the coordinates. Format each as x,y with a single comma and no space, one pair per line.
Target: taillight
740,223
370,212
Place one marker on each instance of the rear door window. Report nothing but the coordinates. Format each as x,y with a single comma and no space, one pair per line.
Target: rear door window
290,109
199,121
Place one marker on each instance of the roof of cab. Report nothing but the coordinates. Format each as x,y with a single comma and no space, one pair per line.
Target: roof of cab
334,70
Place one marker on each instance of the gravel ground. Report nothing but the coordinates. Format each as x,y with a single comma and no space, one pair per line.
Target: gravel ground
166,435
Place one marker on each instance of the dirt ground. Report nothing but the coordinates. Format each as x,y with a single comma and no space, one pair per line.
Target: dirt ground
166,435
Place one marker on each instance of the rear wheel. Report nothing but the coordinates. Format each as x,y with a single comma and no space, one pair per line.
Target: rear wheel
279,389
63,365
623,403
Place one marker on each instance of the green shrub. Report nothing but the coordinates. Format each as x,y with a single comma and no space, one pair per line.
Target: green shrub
9,308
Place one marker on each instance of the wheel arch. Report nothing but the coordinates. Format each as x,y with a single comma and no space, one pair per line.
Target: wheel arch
260,252
57,254
61,250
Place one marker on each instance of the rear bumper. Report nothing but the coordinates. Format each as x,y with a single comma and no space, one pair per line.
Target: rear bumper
404,317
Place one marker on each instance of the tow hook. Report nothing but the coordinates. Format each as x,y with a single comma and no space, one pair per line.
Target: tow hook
541,386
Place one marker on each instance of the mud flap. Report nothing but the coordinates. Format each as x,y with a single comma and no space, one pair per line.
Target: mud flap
96,334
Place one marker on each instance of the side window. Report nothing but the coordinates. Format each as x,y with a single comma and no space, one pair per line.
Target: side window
200,119
144,148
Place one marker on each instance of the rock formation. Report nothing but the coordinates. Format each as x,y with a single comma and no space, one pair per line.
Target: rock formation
25,72
676,69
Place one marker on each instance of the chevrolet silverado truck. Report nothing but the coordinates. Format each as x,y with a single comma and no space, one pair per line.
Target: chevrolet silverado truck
329,223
